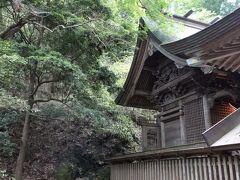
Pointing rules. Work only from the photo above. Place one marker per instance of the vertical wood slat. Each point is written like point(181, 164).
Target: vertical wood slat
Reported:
point(225, 168)
point(184, 169)
point(161, 169)
point(158, 170)
point(187, 169)
point(205, 168)
point(219, 167)
point(230, 165)
point(164, 171)
point(180, 169)
point(236, 165)
point(176, 170)
point(191, 168)
point(200, 173)
point(127, 174)
point(130, 171)
point(118, 173)
point(149, 170)
point(137, 170)
point(209, 168)
point(167, 169)
point(196, 169)
point(134, 172)
point(141, 174)
point(123, 174)
point(154, 170)
point(170, 170)
point(145, 168)
point(214, 165)
point(219, 162)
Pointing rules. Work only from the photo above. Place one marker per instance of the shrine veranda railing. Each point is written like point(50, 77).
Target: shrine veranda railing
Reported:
point(217, 167)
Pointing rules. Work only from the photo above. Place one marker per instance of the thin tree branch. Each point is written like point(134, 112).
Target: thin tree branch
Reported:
point(24, 37)
point(57, 27)
point(43, 82)
point(99, 39)
point(48, 100)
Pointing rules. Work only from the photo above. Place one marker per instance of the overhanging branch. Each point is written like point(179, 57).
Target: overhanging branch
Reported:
point(13, 29)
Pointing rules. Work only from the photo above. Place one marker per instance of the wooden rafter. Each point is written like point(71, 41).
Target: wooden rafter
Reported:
point(229, 59)
point(237, 65)
point(148, 68)
point(231, 64)
point(220, 55)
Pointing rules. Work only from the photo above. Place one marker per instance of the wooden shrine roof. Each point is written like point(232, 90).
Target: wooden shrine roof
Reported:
point(215, 46)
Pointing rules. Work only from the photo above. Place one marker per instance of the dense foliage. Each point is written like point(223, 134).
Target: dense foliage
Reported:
point(62, 63)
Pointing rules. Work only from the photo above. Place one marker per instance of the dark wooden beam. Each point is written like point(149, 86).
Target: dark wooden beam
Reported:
point(148, 68)
point(188, 13)
point(137, 69)
point(142, 93)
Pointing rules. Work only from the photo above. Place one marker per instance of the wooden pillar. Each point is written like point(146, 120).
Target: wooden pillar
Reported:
point(206, 112)
point(144, 138)
point(182, 124)
point(163, 134)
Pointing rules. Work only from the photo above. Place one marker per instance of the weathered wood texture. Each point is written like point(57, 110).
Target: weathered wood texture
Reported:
point(219, 167)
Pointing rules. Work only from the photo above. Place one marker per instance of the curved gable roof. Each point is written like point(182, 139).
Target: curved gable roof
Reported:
point(214, 46)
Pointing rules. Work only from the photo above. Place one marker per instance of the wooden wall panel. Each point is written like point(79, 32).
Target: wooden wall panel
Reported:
point(172, 133)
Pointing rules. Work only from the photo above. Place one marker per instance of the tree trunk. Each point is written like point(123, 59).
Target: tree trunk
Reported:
point(25, 132)
point(23, 149)
point(1, 18)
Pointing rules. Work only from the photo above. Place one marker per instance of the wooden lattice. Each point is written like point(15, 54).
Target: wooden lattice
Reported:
point(151, 137)
point(194, 121)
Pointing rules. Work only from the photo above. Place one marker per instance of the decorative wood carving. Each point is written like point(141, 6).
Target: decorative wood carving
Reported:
point(166, 77)
point(151, 49)
point(168, 73)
